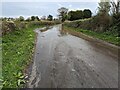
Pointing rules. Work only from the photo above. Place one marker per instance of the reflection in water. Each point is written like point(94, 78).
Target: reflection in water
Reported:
point(43, 30)
point(54, 56)
point(63, 32)
point(92, 41)
point(46, 28)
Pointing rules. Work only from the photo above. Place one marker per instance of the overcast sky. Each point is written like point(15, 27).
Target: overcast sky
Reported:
point(26, 9)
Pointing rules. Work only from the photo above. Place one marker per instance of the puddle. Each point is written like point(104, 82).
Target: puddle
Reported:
point(43, 30)
point(46, 28)
point(73, 70)
point(63, 50)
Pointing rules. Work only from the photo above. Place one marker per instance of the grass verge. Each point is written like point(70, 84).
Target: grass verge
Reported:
point(17, 49)
point(106, 36)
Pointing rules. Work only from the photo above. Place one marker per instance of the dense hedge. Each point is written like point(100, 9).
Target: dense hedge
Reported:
point(99, 23)
point(86, 24)
point(8, 26)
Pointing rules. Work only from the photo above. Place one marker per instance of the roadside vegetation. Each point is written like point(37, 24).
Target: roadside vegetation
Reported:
point(18, 42)
point(18, 47)
point(106, 36)
point(18, 37)
point(104, 25)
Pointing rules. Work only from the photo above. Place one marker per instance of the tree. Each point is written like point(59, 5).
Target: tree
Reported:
point(75, 15)
point(79, 14)
point(87, 13)
point(33, 18)
point(115, 6)
point(71, 15)
point(28, 19)
point(21, 18)
point(50, 18)
point(4, 19)
point(104, 7)
point(37, 18)
point(103, 19)
point(62, 13)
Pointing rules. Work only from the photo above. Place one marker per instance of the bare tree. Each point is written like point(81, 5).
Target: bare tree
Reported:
point(115, 6)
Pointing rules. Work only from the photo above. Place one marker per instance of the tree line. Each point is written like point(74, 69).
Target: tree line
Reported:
point(107, 18)
point(32, 18)
point(79, 14)
point(64, 14)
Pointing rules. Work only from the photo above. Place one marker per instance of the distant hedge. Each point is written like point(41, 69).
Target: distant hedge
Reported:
point(9, 26)
point(99, 23)
point(95, 23)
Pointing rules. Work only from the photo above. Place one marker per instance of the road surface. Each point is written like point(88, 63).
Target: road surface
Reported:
point(62, 60)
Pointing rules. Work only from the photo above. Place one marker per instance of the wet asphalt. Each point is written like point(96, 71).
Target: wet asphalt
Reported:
point(62, 60)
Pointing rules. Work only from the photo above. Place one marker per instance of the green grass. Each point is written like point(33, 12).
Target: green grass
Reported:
point(106, 36)
point(17, 49)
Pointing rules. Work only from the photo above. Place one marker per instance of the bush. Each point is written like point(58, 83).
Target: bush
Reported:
point(116, 18)
point(116, 23)
point(87, 13)
point(8, 27)
point(86, 24)
point(99, 23)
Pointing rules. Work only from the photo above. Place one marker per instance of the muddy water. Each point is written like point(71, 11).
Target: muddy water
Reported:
point(65, 61)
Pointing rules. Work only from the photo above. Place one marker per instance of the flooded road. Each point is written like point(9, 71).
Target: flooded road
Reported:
point(65, 61)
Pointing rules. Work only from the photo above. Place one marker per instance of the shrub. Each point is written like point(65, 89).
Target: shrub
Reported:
point(99, 23)
point(87, 13)
point(8, 27)
point(116, 18)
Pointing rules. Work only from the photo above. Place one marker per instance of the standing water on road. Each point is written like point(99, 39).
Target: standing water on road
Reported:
point(62, 60)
